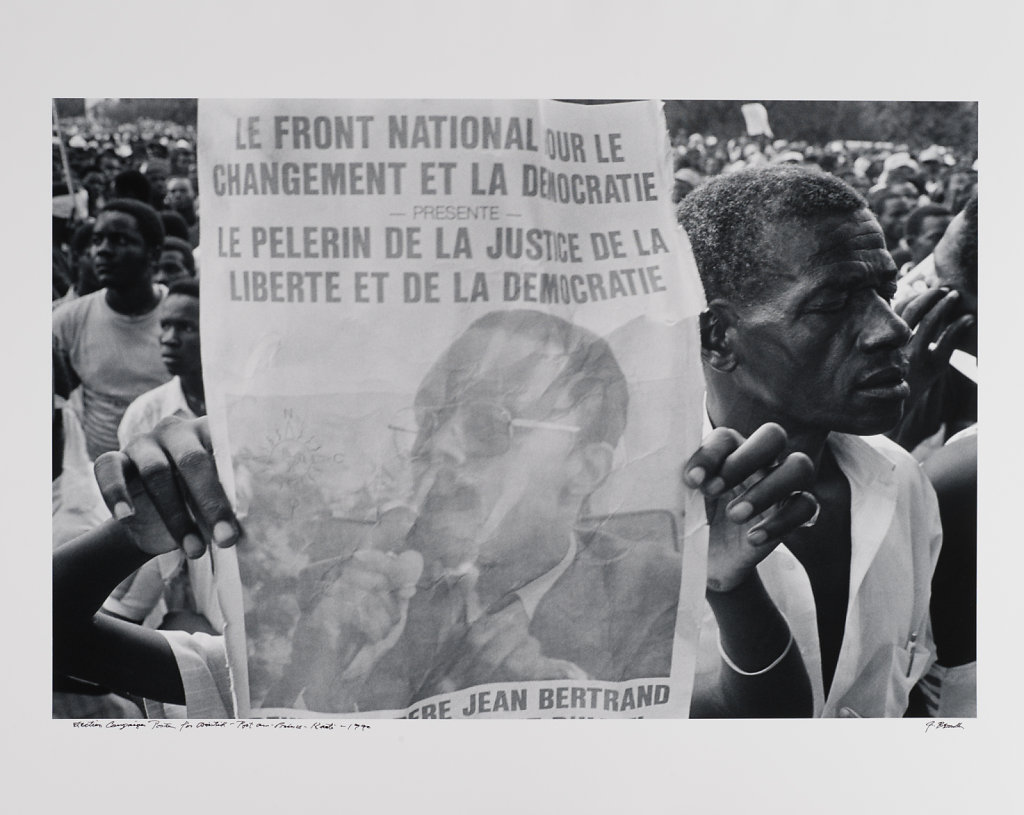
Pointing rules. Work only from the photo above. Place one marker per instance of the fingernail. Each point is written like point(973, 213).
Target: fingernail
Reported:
point(122, 510)
point(953, 294)
point(757, 536)
point(741, 511)
point(696, 476)
point(223, 532)
point(715, 486)
point(193, 546)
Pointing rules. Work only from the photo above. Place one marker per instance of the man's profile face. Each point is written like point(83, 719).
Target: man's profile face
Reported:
point(179, 334)
point(822, 349)
point(120, 255)
point(492, 493)
point(171, 268)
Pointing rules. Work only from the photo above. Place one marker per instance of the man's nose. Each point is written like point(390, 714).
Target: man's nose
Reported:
point(885, 328)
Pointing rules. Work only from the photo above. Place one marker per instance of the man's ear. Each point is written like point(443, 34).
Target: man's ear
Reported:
point(590, 464)
point(717, 332)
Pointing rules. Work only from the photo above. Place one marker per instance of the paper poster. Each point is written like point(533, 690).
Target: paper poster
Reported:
point(452, 374)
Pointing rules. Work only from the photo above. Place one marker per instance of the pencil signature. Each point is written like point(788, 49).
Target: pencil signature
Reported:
point(942, 726)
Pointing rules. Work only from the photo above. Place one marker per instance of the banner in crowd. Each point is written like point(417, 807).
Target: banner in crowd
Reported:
point(452, 372)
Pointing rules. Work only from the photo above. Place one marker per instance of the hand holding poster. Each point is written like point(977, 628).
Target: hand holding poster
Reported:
point(453, 374)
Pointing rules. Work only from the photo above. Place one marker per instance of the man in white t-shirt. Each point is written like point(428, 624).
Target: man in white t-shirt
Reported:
point(110, 338)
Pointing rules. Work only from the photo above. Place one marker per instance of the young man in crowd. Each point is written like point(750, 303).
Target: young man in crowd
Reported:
point(181, 198)
point(176, 262)
point(168, 590)
point(110, 338)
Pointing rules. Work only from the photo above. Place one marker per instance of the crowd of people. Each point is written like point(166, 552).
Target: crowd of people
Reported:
point(840, 356)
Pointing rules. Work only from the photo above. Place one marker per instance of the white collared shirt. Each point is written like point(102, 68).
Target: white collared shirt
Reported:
point(895, 537)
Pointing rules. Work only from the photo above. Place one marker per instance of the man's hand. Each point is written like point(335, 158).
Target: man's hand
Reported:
point(753, 499)
point(163, 487)
point(933, 317)
point(498, 647)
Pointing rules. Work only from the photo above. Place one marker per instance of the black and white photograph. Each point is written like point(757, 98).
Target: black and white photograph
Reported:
point(412, 522)
point(524, 401)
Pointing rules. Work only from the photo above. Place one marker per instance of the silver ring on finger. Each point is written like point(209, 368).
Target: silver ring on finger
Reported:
point(817, 508)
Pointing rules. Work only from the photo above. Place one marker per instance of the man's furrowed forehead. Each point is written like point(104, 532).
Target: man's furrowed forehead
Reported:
point(839, 248)
point(844, 237)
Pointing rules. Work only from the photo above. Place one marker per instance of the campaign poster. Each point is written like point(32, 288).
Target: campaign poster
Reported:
point(453, 372)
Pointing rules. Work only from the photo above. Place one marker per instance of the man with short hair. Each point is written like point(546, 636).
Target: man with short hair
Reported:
point(799, 331)
point(892, 206)
point(925, 225)
point(156, 171)
point(109, 164)
point(176, 262)
point(110, 338)
point(183, 394)
point(132, 184)
point(177, 594)
point(181, 198)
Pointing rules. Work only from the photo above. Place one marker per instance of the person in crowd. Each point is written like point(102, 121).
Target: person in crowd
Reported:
point(181, 198)
point(799, 331)
point(174, 224)
point(183, 394)
point(932, 166)
point(961, 186)
point(110, 338)
point(132, 184)
point(183, 160)
point(944, 396)
point(924, 226)
point(83, 278)
point(77, 507)
point(169, 590)
point(110, 166)
point(95, 183)
point(892, 206)
point(156, 171)
point(535, 451)
point(176, 262)
point(947, 406)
